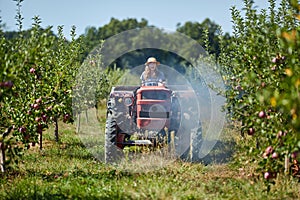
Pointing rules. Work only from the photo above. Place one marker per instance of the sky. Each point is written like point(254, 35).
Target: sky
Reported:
point(165, 14)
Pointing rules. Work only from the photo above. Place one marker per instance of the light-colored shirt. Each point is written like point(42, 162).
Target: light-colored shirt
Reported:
point(160, 78)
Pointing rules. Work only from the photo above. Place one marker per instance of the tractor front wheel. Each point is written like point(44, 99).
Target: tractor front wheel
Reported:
point(113, 140)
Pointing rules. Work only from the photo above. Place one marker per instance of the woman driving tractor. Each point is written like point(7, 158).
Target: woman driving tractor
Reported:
point(152, 76)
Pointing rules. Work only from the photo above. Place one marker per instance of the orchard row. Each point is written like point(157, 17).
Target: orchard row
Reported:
point(261, 70)
point(38, 80)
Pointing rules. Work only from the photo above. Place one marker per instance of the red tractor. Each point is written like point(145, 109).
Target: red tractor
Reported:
point(146, 115)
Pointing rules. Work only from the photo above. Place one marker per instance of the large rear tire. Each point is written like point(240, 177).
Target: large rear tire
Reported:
point(191, 143)
point(195, 144)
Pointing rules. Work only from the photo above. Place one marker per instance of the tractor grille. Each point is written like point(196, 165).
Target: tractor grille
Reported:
point(154, 114)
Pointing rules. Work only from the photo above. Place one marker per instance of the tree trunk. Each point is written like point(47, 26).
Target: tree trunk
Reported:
point(2, 149)
point(41, 141)
point(56, 129)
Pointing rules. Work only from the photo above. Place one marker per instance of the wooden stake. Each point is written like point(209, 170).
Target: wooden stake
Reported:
point(86, 116)
point(78, 123)
point(286, 164)
point(2, 158)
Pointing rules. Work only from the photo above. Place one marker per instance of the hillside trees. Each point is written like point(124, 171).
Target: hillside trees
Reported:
point(196, 30)
point(93, 36)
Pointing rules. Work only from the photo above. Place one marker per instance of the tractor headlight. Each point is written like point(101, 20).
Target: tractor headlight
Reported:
point(128, 101)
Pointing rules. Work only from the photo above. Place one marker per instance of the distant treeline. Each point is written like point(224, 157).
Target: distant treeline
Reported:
point(204, 32)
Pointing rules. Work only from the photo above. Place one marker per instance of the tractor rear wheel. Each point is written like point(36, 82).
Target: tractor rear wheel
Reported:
point(193, 145)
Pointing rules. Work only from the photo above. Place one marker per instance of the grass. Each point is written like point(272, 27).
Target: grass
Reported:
point(69, 170)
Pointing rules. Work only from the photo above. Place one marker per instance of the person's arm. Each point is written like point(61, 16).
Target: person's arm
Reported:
point(161, 78)
point(142, 79)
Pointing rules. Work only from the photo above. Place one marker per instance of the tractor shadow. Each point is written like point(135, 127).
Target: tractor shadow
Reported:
point(222, 152)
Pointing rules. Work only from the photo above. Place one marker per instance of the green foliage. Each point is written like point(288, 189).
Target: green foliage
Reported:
point(67, 170)
point(260, 66)
point(262, 75)
point(37, 76)
point(40, 78)
point(93, 36)
point(196, 30)
point(93, 82)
